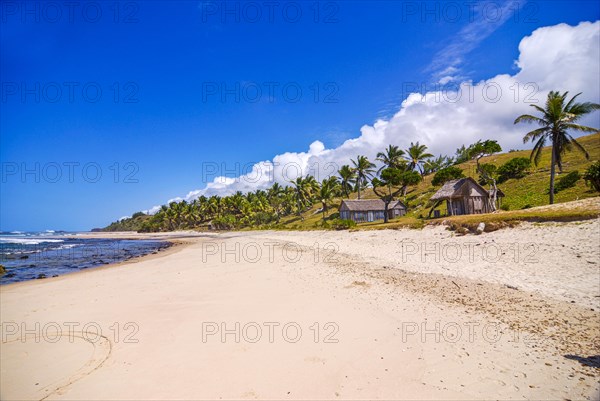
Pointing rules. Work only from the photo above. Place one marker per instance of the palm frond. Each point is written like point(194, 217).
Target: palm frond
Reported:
point(578, 127)
point(536, 152)
point(570, 103)
point(532, 135)
point(528, 118)
point(577, 145)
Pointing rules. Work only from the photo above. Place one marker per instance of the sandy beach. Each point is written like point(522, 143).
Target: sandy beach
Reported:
point(390, 314)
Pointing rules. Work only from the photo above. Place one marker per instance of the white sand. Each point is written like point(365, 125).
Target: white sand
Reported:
point(557, 260)
point(371, 309)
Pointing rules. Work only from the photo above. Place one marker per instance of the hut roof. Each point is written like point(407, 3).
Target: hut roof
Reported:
point(365, 205)
point(452, 189)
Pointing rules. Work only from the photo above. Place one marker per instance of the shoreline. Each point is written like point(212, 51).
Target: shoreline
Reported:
point(383, 316)
point(175, 244)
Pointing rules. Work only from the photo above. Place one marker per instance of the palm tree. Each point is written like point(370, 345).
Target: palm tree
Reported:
point(347, 179)
point(391, 158)
point(435, 165)
point(191, 213)
point(215, 205)
point(276, 199)
point(304, 188)
point(363, 169)
point(416, 155)
point(178, 209)
point(329, 189)
point(557, 118)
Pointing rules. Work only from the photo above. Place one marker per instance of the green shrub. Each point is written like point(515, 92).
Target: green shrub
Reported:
point(447, 174)
point(567, 181)
point(342, 224)
point(505, 207)
point(592, 176)
point(514, 168)
point(322, 224)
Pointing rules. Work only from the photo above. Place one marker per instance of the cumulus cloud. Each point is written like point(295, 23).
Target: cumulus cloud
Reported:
point(560, 57)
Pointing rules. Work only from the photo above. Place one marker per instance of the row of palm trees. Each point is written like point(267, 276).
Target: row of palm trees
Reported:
point(269, 206)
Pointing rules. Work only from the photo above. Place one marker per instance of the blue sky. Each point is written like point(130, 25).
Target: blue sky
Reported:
point(161, 68)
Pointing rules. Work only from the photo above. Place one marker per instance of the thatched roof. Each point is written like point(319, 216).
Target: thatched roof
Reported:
point(452, 189)
point(449, 189)
point(366, 205)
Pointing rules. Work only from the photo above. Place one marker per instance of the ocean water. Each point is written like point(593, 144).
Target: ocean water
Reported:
point(38, 255)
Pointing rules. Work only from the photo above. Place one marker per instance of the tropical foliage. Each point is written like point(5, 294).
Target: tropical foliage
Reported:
point(447, 174)
point(514, 168)
point(558, 117)
point(592, 176)
point(363, 171)
point(417, 155)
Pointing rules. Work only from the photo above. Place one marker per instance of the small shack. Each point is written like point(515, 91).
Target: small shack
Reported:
point(465, 196)
point(365, 210)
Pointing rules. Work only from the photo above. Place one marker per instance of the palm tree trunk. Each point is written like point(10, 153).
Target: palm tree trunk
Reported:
point(552, 173)
point(359, 190)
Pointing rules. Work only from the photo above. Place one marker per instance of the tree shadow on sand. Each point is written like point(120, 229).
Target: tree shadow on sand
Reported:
point(592, 361)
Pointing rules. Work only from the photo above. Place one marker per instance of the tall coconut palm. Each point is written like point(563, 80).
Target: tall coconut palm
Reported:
point(363, 169)
point(329, 189)
point(557, 118)
point(416, 155)
point(391, 158)
point(276, 199)
point(347, 179)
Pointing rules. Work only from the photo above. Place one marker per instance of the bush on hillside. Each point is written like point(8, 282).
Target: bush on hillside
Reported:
point(567, 181)
point(514, 168)
point(447, 174)
point(592, 176)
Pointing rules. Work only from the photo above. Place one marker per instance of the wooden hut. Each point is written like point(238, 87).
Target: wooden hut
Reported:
point(364, 210)
point(465, 196)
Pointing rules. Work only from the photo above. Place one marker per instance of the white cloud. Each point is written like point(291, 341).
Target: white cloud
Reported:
point(560, 57)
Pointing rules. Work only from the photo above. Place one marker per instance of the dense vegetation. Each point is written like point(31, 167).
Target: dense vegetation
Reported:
point(412, 175)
